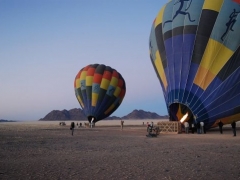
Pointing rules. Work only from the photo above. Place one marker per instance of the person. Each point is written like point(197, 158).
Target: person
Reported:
point(72, 127)
point(186, 125)
point(234, 128)
point(92, 121)
point(220, 125)
point(122, 124)
point(198, 128)
point(202, 127)
point(150, 129)
point(193, 128)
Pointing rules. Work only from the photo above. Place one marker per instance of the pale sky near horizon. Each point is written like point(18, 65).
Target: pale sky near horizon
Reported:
point(44, 43)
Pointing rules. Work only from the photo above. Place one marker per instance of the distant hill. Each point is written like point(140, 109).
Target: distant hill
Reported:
point(140, 114)
point(78, 114)
point(3, 120)
point(72, 114)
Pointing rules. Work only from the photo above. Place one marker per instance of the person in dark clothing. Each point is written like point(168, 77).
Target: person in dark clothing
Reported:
point(220, 125)
point(193, 128)
point(122, 122)
point(204, 129)
point(149, 130)
point(198, 128)
point(234, 128)
point(72, 127)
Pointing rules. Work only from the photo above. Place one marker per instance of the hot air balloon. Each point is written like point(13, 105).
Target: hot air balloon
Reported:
point(99, 90)
point(195, 50)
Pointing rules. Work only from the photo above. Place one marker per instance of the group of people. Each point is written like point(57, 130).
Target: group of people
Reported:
point(202, 130)
point(72, 126)
point(152, 131)
point(199, 126)
point(150, 128)
point(233, 124)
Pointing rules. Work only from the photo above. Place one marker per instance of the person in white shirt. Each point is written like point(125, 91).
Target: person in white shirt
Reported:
point(193, 128)
point(186, 125)
point(202, 127)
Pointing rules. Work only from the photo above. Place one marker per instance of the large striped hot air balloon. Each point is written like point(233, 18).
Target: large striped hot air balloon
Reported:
point(195, 50)
point(99, 90)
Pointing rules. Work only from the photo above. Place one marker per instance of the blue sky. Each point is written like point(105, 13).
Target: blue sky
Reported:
point(44, 43)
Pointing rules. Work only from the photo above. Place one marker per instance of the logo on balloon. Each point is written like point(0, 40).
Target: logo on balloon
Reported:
point(181, 11)
point(231, 22)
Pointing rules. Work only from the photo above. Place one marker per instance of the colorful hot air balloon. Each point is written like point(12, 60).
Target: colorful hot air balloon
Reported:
point(195, 50)
point(99, 90)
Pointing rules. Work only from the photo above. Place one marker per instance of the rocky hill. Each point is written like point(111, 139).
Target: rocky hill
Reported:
point(72, 114)
point(78, 114)
point(140, 114)
point(3, 120)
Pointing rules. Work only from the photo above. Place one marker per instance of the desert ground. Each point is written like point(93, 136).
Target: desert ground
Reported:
point(45, 150)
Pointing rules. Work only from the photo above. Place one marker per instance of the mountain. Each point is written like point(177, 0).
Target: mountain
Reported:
point(72, 114)
point(140, 114)
point(78, 114)
point(3, 120)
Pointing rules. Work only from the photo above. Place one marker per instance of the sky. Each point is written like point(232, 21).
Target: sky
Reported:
point(44, 44)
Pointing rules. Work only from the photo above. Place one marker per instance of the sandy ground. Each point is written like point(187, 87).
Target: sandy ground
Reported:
point(49, 151)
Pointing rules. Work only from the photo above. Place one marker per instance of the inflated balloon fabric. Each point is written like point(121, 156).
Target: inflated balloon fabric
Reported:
point(99, 90)
point(194, 48)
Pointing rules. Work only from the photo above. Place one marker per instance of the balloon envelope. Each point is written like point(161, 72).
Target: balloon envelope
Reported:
point(99, 90)
point(194, 49)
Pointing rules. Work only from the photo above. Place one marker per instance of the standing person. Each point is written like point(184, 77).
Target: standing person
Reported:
point(234, 128)
point(91, 124)
point(198, 128)
point(186, 125)
point(72, 127)
point(122, 124)
point(193, 128)
point(152, 125)
point(202, 127)
point(220, 125)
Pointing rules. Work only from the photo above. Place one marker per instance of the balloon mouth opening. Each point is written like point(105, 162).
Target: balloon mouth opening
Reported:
point(180, 112)
point(91, 119)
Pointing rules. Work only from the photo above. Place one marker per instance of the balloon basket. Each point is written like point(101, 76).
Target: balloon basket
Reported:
point(170, 127)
